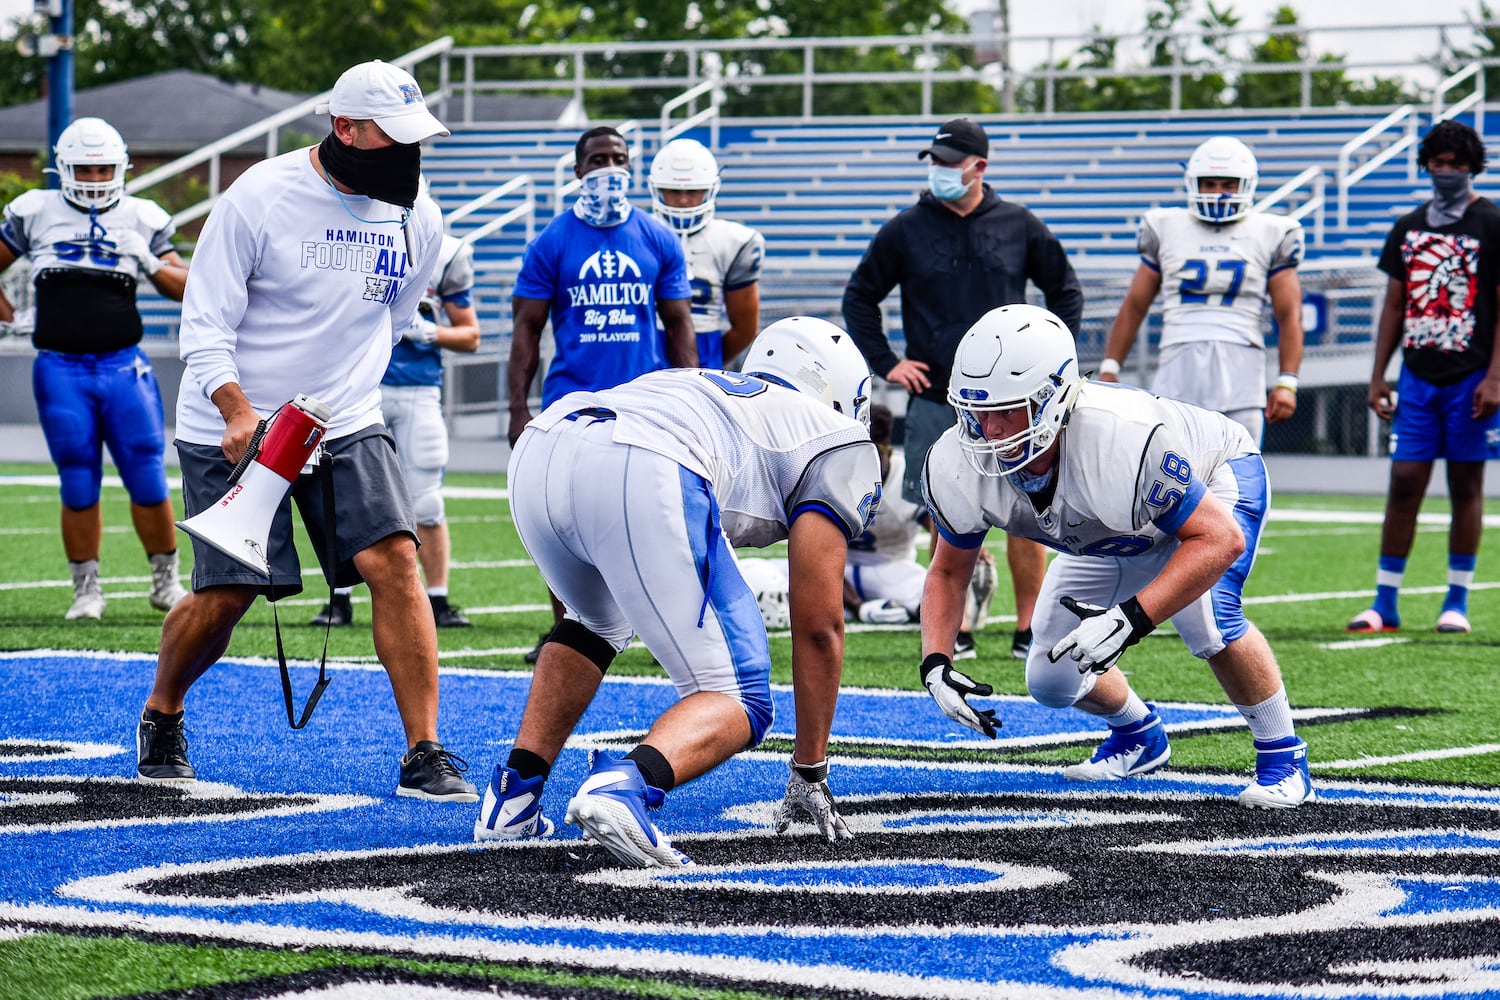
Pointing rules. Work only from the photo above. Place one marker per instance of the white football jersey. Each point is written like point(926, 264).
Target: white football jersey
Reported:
point(769, 451)
point(55, 233)
point(721, 256)
point(1127, 460)
point(1213, 278)
point(892, 534)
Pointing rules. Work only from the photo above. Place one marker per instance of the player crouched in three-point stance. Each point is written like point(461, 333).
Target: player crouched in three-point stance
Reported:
point(90, 244)
point(1156, 508)
point(630, 500)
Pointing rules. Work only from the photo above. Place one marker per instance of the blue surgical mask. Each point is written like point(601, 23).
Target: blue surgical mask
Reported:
point(602, 197)
point(947, 183)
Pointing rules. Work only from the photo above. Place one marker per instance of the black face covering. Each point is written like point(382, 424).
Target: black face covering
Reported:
point(390, 174)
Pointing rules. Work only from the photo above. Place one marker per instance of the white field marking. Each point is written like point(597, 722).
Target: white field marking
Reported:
point(1383, 843)
point(979, 818)
point(16, 933)
point(1407, 758)
point(1388, 640)
point(493, 564)
point(1346, 595)
point(367, 990)
point(1361, 900)
point(71, 750)
point(1360, 517)
point(114, 482)
point(1421, 970)
point(648, 960)
point(1002, 877)
point(8, 799)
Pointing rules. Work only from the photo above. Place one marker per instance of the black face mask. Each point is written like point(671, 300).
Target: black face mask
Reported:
point(390, 174)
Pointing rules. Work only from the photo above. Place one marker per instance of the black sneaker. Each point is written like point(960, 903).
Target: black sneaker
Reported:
point(446, 615)
point(1020, 643)
point(338, 612)
point(963, 646)
point(430, 772)
point(536, 651)
point(161, 748)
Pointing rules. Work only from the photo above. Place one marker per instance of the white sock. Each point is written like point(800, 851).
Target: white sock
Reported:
point(1134, 711)
point(1271, 719)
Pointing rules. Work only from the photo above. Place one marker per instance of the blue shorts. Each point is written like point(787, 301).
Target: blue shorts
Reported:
point(86, 401)
point(1434, 421)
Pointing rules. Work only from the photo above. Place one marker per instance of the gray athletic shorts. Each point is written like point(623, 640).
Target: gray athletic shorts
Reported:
point(926, 421)
point(369, 498)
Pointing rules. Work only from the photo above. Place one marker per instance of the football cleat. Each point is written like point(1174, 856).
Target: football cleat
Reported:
point(430, 772)
point(1020, 644)
point(337, 612)
point(1369, 620)
point(610, 807)
point(963, 647)
point(1281, 777)
point(981, 591)
point(535, 653)
point(512, 808)
point(1453, 622)
point(445, 615)
point(1130, 750)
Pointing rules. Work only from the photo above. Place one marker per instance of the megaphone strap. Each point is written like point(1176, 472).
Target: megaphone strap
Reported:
point(324, 472)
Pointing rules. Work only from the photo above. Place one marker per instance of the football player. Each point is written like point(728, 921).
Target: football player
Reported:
point(629, 500)
point(90, 244)
point(723, 257)
point(1155, 508)
point(1217, 262)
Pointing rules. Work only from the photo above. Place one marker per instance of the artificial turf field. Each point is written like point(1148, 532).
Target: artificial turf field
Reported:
point(976, 870)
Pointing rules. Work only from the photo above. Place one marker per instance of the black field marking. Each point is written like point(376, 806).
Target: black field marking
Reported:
point(1104, 884)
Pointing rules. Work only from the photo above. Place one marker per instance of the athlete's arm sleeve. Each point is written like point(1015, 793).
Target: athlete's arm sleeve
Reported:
point(1148, 243)
point(1288, 252)
point(162, 229)
point(13, 231)
point(843, 484)
point(216, 296)
point(744, 270)
point(1169, 489)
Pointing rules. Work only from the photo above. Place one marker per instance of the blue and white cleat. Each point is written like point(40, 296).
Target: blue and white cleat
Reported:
point(1130, 750)
point(1282, 780)
point(610, 808)
point(512, 808)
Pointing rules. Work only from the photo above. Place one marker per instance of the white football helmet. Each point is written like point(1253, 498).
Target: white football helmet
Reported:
point(1222, 156)
point(767, 579)
point(684, 165)
point(1015, 357)
point(91, 142)
point(815, 357)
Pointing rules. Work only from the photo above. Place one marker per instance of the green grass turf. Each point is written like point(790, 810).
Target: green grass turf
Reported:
point(1446, 680)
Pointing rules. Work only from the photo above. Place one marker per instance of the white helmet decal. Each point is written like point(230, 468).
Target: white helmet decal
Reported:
point(1222, 156)
point(1015, 357)
point(91, 142)
point(815, 357)
point(684, 165)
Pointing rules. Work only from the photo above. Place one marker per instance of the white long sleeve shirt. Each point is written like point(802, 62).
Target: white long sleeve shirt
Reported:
point(289, 293)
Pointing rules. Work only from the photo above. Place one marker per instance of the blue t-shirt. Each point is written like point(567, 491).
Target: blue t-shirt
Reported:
point(603, 285)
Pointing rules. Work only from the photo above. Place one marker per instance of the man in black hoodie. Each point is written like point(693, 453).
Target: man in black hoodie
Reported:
point(959, 252)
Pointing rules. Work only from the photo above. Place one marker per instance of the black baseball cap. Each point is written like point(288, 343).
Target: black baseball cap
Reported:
point(957, 139)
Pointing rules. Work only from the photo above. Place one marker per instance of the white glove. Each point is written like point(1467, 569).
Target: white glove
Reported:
point(422, 331)
point(1103, 634)
point(129, 243)
point(808, 797)
point(949, 688)
point(885, 612)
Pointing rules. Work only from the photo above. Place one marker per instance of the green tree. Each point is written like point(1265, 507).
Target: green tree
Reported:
point(1327, 87)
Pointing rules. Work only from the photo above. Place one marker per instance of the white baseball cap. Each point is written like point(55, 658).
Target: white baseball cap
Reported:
point(387, 95)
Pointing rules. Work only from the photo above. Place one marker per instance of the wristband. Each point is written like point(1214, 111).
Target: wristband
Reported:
point(934, 661)
point(1109, 366)
point(1287, 381)
point(811, 773)
point(1140, 622)
point(151, 264)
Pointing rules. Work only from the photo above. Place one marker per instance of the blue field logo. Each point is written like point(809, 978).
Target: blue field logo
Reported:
point(969, 875)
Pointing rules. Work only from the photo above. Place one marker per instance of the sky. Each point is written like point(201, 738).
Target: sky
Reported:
point(1119, 16)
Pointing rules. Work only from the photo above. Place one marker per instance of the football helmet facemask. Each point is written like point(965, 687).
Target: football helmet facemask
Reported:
point(1018, 357)
point(1222, 156)
point(814, 357)
point(684, 165)
point(90, 142)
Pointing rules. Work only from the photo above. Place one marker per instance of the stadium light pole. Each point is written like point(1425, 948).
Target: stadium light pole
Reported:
point(59, 74)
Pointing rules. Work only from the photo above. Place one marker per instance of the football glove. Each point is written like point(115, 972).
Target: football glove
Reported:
point(883, 613)
point(950, 687)
point(129, 243)
point(1102, 634)
point(422, 331)
point(808, 797)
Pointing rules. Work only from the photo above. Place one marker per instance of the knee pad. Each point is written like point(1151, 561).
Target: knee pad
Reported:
point(577, 637)
point(428, 507)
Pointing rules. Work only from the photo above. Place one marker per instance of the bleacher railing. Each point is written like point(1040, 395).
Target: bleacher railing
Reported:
point(269, 128)
point(688, 99)
point(525, 211)
point(1314, 205)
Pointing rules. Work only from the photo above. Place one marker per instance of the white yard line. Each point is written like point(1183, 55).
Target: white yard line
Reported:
point(1406, 758)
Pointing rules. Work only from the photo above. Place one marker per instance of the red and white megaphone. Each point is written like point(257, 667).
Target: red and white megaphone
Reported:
point(239, 525)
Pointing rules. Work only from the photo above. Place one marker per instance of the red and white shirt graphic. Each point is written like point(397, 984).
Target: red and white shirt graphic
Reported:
point(1442, 281)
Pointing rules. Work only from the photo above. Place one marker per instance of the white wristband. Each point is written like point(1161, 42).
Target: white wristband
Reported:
point(151, 264)
point(1287, 381)
point(1109, 366)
